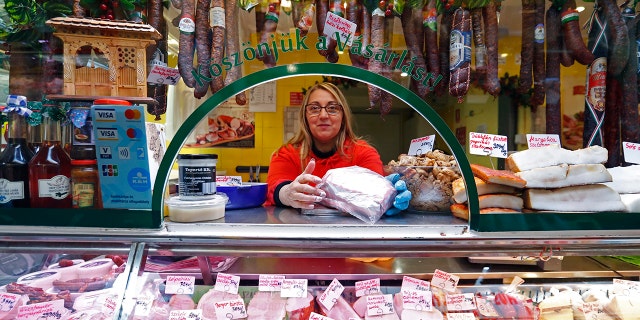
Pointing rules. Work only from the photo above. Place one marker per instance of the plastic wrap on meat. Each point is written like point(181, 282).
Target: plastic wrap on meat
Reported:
point(358, 191)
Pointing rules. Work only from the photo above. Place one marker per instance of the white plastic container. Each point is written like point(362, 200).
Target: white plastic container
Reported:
point(196, 210)
point(41, 279)
point(197, 176)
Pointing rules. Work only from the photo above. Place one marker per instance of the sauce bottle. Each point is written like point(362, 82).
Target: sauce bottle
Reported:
point(14, 160)
point(50, 170)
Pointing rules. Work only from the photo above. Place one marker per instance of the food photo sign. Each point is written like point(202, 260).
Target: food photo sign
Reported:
point(229, 125)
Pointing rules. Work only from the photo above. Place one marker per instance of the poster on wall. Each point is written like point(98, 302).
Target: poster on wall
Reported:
point(229, 125)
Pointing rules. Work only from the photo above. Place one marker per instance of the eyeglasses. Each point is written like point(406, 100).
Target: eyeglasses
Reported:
point(332, 108)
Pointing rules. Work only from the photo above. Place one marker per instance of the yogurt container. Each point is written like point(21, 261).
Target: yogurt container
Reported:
point(197, 176)
point(196, 210)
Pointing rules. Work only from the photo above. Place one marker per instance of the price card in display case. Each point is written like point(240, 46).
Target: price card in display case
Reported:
point(8, 301)
point(461, 302)
point(195, 314)
point(380, 304)
point(367, 287)
point(230, 309)
point(294, 288)
point(180, 285)
point(486, 308)
point(227, 283)
point(270, 282)
point(143, 307)
point(315, 316)
point(631, 152)
point(485, 144)
point(537, 140)
point(419, 146)
point(419, 300)
point(461, 316)
point(43, 310)
point(444, 280)
point(410, 283)
point(331, 295)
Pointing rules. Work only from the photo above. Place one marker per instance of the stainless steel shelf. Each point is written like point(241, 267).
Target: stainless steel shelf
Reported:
point(270, 231)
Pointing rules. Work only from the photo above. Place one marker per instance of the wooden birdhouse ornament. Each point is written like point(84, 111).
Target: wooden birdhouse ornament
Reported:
point(104, 57)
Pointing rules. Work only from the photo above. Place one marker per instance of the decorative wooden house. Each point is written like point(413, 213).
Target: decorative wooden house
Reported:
point(104, 57)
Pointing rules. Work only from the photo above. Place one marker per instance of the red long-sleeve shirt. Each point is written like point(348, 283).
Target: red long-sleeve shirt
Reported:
point(285, 164)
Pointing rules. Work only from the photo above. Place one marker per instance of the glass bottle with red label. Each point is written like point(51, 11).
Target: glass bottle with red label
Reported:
point(50, 169)
point(14, 160)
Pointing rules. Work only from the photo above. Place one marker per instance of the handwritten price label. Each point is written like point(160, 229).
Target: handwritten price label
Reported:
point(485, 144)
point(231, 309)
point(419, 300)
point(514, 284)
point(109, 305)
point(294, 288)
point(195, 314)
point(180, 285)
point(461, 316)
point(626, 287)
point(270, 282)
point(8, 301)
point(444, 280)
point(461, 302)
point(593, 311)
point(227, 283)
point(537, 140)
point(50, 310)
point(419, 146)
point(486, 308)
point(410, 283)
point(330, 296)
point(143, 307)
point(367, 287)
point(631, 152)
point(345, 28)
point(380, 304)
point(315, 316)
point(163, 75)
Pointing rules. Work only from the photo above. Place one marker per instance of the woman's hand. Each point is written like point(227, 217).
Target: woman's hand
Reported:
point(300, 193)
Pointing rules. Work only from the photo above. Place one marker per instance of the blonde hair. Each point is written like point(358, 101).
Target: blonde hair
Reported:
point(303, 137)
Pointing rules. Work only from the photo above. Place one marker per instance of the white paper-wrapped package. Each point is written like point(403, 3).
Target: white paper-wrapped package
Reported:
point(358, 191)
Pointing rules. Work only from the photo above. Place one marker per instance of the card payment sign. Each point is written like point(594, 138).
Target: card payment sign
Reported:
point(122, 157)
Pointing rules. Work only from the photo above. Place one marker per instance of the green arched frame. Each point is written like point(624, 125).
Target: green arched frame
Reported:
point(306, 69)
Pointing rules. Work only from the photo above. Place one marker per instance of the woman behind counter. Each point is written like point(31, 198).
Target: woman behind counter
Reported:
point(325, 140)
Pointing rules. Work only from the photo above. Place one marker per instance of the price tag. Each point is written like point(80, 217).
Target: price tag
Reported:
point(593, 311)
point(631, 152)
point(315, 316)
point(163, 75)
point(345, 28)
point(485, 144)
point(409, 283)
point(180, 285)
point(444, 280)
point(419, 300)
point(49, 310)
point(380, 304)
point(422, 145)
point(461, 316)
point(461, 302)
point(514, 284)
point(8, 301)
point(330, 296)
point(195, 314)
point(486, 308)
point(537, 140)
point(228, 180)
point(270, 282)
point(227, 283)
point(109, 305)
point(230, 309)
point(626, 287)
point(143, 307)
point(367, 287)
point(294, 288)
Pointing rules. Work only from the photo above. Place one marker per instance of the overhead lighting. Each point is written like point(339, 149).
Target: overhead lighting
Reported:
point(285, 3)
point(580, 9)
point(403, 74)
